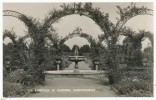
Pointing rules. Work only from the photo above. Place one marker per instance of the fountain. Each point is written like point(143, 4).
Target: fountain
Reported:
point(78, 72)
point(76, 58)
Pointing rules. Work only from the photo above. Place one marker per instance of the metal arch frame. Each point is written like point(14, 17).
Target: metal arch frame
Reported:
point(16, 15)
point(120, 23)
point(50, 21)
point(77, 32)
point(12, 13)
point(74, 34)
point(26, 20)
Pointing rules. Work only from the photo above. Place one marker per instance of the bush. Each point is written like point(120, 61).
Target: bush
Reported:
point(64, 64)
point(37, 76)
point(20, 76)
point(115, 76)
point(13, 89)
point(140, 93)
point(16, 76)
point(125, 86)
point(143, 85)
point(119, 74)
point(134, 82)
point(129, 87)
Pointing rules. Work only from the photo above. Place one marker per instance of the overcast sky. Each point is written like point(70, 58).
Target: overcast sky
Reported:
point(68, 23)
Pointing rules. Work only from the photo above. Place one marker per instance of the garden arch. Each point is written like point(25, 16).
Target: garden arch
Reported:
point(38, 30)
point(26, 20)
point(85, 9)
point(109, 29)
point(81, 9)
point(78, 32)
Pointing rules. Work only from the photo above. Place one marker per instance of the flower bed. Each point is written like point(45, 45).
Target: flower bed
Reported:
point(135, 84)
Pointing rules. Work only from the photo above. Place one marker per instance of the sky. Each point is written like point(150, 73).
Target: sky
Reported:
point(67, 24)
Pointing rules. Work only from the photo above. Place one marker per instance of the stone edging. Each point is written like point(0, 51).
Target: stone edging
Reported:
point(117, 92)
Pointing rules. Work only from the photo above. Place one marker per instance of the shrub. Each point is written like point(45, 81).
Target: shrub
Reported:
point(115, 76)
point(13, 89)
point(64, 64)
point(140, 93)
point(20, 76)
point(145, 75)
point(125, 86)
point(142, 85)
point(37, 76)
point(16, 76)
point(129, 87)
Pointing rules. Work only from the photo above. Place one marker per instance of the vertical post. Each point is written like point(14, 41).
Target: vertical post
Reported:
point(58, 67)
point(96, 66)
point(96, 63)
point(58, 64)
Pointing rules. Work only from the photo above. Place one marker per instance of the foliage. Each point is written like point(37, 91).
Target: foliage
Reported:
point(78, 32)
point(81, 9)
point(7, 49)
point(132, 47)
point(133, 81)
point(65, 48)
point(147, 57)
point(125, 14)
point(16, 49)
point(13, 89)
point(36, 72)
point(85, 49)
point(40, 31)
point(128, 86)
point(64, 63)
point(130, 12)
point(37, 33)
point(74, 47)
point(140, 93)
point(16, 76)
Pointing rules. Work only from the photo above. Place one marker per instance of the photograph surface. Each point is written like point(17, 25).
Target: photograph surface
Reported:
point(78, 49)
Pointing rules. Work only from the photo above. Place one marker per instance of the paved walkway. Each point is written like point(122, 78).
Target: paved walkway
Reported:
point(65, 86)
point(73, 87)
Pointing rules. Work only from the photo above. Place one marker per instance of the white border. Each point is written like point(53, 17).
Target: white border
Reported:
point(78, 0)
point(84, 98)
point(1, 53)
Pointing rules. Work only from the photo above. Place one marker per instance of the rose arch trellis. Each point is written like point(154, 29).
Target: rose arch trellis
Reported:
point(78, 32)
point(59, 42)
point(111, 31)
point(37, 31)
point(86, 9)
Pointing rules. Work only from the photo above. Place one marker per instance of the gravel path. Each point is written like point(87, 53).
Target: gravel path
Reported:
point(73, 87)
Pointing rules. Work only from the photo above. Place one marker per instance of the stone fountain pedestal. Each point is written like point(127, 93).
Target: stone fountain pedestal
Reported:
point(76, 59)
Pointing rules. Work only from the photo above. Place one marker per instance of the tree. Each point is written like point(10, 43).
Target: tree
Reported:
point(85, 49)
point(114, 31)
point(75, 46)
point(18, 48)
point(132, 47)
point(147, 56)
point(7, 49)
point(65, 48)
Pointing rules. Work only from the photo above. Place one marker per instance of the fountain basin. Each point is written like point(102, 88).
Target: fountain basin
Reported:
point(76, 58)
